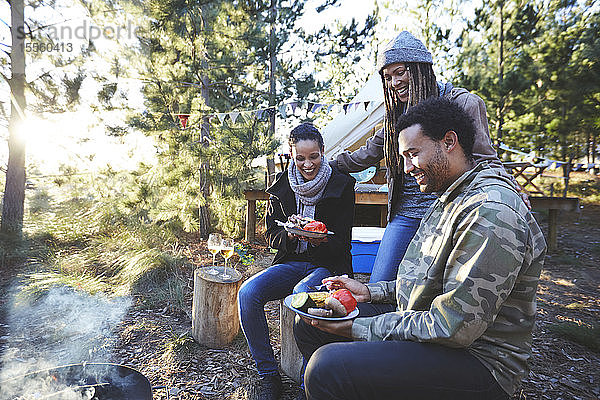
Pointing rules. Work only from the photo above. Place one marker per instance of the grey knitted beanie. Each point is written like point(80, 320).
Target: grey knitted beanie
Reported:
point(404, 48)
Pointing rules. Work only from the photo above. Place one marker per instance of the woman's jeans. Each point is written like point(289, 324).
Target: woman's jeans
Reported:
point(396, 238)
point(276, 282)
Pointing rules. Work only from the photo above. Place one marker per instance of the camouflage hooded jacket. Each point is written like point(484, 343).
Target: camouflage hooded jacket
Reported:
point(468, 278)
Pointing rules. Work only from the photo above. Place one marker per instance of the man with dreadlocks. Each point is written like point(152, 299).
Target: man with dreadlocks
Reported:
point(405, 66)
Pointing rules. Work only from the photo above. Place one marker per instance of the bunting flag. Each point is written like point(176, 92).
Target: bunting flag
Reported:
point(233, 116)
point(282, 110)
point(183, 118)
point(316, 107)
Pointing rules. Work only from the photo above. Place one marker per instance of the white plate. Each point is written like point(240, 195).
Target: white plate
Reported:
point(288, 303)
point(301, 232)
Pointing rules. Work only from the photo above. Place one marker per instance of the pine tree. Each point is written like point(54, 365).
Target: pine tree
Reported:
point(205, 59)
point(14, 192)
point(58, 63)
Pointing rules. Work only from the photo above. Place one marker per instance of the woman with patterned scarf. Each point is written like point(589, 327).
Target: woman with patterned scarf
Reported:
point(310, 188)
point(407, 76)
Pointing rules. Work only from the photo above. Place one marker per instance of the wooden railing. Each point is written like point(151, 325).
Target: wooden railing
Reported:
point(379, 199)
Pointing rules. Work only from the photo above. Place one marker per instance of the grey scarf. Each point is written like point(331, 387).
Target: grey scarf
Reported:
point(308, 193)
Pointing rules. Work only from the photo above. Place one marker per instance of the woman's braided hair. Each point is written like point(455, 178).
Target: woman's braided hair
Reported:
point(422, 85)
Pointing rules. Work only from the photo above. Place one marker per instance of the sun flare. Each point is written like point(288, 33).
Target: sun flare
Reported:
point(79, 140)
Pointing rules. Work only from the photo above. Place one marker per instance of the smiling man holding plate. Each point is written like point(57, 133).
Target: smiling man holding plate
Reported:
point(464, 292)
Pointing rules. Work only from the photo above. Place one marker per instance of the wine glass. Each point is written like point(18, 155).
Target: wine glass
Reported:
point(214, 243)
point(227, 248)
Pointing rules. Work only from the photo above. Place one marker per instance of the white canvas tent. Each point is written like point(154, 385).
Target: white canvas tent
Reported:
point(348, 128)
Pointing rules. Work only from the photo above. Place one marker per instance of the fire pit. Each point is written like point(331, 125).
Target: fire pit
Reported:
point(97, 381)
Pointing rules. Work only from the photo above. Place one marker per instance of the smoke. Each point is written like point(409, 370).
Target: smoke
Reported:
point(63, 327)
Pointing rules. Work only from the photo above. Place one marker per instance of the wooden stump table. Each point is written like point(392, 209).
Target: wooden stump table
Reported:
point(215, 321)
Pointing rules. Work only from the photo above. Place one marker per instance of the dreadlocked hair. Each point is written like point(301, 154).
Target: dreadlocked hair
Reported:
point(421, 85)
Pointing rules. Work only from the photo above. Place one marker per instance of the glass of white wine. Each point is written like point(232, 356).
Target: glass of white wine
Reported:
point(227, 249)
point(215, 242)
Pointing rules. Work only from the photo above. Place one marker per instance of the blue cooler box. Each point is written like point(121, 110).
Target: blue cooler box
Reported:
point(365, 242)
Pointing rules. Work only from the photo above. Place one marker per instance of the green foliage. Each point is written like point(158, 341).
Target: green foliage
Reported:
point(245, 257)
point(542, 91)
point(586, 335)
point(178, 344)
point(97, 242)
point(214, 57)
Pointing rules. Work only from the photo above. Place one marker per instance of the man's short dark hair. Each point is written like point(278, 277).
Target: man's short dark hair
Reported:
point(438, 115)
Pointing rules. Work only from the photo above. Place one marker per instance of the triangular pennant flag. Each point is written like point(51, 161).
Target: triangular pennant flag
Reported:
point(356, 105)
point(221, 117)
point(316, 107)
point(183, 118)
point(367, 104)
point(259, 113)
point(294, 104)
point(282, 110)
point(309, 106)
point(329, 107)
point(345, 106)
point(233, 115)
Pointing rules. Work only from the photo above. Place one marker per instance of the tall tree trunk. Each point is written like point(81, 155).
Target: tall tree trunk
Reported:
point(203, 216)
point(14, 191)
point(272, 97)
point(500, 111)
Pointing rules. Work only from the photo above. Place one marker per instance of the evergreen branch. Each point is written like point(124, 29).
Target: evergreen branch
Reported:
point(224, 83)
point(593, 99)
point(225, 96)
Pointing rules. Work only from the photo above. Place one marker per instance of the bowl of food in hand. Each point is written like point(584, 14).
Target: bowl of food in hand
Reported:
point(332, 306)
point(304, 226)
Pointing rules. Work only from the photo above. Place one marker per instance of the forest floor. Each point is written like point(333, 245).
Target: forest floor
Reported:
point(158, 343)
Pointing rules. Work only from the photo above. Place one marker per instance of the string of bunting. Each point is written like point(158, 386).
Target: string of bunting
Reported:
point(283, 110)
point(545, 162)
point(246, 115)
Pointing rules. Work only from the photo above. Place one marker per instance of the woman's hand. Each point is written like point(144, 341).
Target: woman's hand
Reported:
point(360, 291)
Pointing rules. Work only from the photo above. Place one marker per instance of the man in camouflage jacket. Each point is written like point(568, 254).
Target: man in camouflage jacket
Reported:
point(465, 290)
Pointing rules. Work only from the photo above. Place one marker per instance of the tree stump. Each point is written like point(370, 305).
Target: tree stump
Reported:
point(291, 358)
point(215, 321)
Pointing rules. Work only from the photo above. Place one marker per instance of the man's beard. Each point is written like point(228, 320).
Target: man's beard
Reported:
point(437, 171)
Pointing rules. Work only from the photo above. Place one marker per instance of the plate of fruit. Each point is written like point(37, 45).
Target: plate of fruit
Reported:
point(306, 227)
point(338, 305)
